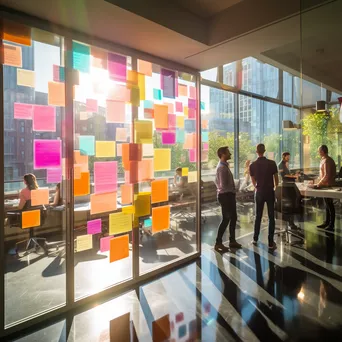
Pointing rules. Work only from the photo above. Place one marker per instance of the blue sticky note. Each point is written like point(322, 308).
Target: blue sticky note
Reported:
point(180, 136)
point(157, 94)
point(148, 104)
point(202, 105)
point(205, 136)
point(190, 125)
point(87, 145)
point(61, 74)
point(182, 331)
point(81, 57)
point(148, 223)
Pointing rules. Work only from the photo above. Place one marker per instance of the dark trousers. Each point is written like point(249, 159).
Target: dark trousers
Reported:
point(260, 200)
point(229, 216)
point(330, 212)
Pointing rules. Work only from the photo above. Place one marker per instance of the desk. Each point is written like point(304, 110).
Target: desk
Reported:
point(321, 193)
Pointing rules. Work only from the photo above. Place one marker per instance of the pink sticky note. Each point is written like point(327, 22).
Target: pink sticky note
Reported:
point(172, 121)
point(192, 156)
point(23, 111)
point(44, 118)
point(179, 107)
point(121, 134)
point(116, 112)
point(117, 67)
point(205, 146)
point(192, 92)
point(94, 226)
point(119, 93)
point(171, 107)
point(192, 103)
point(105, 176)
point(191, 113)
point(54, 175)
point(91, 105)
point(47, 154)
point(105, 243)
point(56, 73)
point(119, 150)
point(168, 138)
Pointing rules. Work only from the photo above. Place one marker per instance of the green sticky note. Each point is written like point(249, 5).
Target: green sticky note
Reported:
point(87, 145)
point(157, 94)
point(81, 57)
point(180, 136)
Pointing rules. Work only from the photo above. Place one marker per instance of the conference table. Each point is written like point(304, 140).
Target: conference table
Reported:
point(333, 192)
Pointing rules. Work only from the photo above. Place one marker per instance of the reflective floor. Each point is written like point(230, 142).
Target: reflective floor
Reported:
point(292, 294)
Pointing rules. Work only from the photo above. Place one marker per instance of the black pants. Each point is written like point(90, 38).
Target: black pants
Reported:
point(260, 200)
point(229, 216)
point(330, 212)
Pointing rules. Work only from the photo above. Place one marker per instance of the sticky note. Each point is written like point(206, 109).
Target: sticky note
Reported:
point(87, 145)
point(12, 55)
point(133, 172)
point(143, 132)
point(161, 119)
point(145, 170)
point(98, 57)
point(105, 149)
point(205, 124)
point(126, 194)
point(142, 86)
point(180, 121)
point(186, 110)
point(192, 176)
point(121, 134)
point(116, 112)
point(102, 203)
point(44, 118)
point(119, 93)
point(40, 196)
point(44, 36)
point(160, 218)
point(131, 152)
point(167, 81)
point(26, 78)
point(205, 136)
point(120, 223)
point(204, 156)
point(82, 185)
point(205, 146)
point(202, 105)
point(182, 330)
point(145, 67)
point(47, 154)
point(16, 33)
point(182, 90)
point(81, 57)
point(58, 73)
point(84, 242)
point(54, 175)
point(192, 103)
point(159, 191)
point(30, 219)
point(94, 226)
point(130, 209)
point(157, 94)
point(162, 159)
point(132, 77)
point(185, 171)
point(142, 204)
point(23, 111)
point(190, 125)
point(105, 244)
point(180, 135)
point(172, 121)
point(192, 113)
point(148, 150)
point(105, 176)
point(56, 94)
point(192, 92)
point(117, 67)
point(81, 160)
point(179, 107)
point(119, 248)
point(91, 105)
point(148, 113)
point(119, 150)
point(135, 96)
point(190, 141)
point(192, 155)
point(170, 106)
point(77, 171)
point(168, 138)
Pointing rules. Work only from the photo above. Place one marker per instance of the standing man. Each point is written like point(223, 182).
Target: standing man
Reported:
point(226, 197)
point(264, 174)
point(327, 175)
point(284, 169)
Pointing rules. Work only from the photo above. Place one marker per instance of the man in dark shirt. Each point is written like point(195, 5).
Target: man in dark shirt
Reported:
point(284, 170)
point(264, 174)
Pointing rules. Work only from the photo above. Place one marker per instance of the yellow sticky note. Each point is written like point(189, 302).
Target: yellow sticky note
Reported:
point(192, 177)
point(141, 85)
point(26, 78)
point(148, 150)
point(180, 121)
point(162, 159)
point(142, 204)
point(105, 149)
point(185, 171)
point(160, 218)
point(186, 110)
point(44, 37)
point(120, 223)
point(161, 116)
point(143, 132)
point(135, 96)
point(84, 242)
point(56, 94)
point(130, 209)
point(39, 197)
point(30, 219)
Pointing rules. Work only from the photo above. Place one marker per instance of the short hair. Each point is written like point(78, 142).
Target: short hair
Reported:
point(221, 150)
point(285, 154)
point(261, 148)
point(324, 149)
point(179, 169)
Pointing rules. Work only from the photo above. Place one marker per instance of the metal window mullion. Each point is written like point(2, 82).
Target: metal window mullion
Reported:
point(236, 136)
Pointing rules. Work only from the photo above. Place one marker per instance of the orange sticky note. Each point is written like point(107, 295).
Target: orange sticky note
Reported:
point(145, 67)
point(145, 170)
point(119, 248)
point(30, 219)
point(205, 124)
point(132, 77)
point(39, 197)
point(119, 93)
point(182, 90)
point(12, 55)
point(159, 191)
point(78, 171)
point(56, 94)
point(81, 160)
point(171, 107)
point(121, 134)
point(133, 173)
point(131, 152)
point(102, 203)
point(116, 112)
point(161, 116)
point(160, 218)
point(82, 185)
point(98, 57)
point(142, 204)
point(190, 141)
point(126, 194)
point(16, 33)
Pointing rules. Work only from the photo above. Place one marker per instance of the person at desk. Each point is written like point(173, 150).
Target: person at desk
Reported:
point(25, 194)
point(327, 175)
point(284, 170)
point(57, 201)
point(180, 181)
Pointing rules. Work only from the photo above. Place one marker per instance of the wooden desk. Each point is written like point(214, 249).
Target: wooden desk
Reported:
point(322, 193)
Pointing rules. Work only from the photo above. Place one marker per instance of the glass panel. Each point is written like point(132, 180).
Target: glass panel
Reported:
point(271, 121)
point(230, 74)
point(210, 75)
point(33, 173)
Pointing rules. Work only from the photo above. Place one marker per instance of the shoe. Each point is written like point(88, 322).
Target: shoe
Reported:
point(234, 244)
point(330, 228)
point(221, 248)
point(323, 225)
point(254, 242)
point(272, 246)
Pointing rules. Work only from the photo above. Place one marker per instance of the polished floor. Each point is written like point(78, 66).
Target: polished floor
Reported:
point(291, 294)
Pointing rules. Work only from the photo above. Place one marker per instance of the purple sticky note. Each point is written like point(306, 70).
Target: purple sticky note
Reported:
point(117, 67)
point(205, 146)
point(105, 176)
point(44, 118)
point(105, 243)
point(191, 113)
point(168, 84)
point(172, 121)
point(192, 156)
point(54, 175)
point(23, 111)
point(168, 138)
point(47, 154)
point(179, 107)
point(91, 105)
point(94, 226)
point(192, 103)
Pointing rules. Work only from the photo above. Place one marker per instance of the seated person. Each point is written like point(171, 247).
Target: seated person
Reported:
point(247, 183)
point(57, 201)
point(180, 182)
point(284, 170)
point(25, 194)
